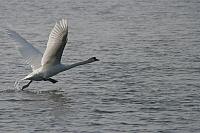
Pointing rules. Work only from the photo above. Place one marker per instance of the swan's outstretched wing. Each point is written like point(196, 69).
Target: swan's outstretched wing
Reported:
point(56, 43)
point(31, 54)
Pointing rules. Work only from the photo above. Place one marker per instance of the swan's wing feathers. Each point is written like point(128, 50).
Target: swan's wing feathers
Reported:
point(31, 54)
point(56, 43)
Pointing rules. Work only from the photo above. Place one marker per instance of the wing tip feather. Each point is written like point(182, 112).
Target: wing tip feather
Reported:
point(60, 27)
point(63, 24)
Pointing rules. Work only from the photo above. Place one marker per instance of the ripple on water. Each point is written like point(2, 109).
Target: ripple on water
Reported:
point(100, 111)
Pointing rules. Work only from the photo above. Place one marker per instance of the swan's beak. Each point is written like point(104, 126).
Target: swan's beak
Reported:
point(97, 60)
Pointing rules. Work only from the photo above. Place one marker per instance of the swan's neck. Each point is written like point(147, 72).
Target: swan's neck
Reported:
point(77, 64)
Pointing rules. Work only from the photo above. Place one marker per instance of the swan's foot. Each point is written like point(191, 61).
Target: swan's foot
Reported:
point(52, 80)
point(25, 86)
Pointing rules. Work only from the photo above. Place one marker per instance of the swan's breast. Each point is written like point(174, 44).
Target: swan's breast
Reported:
point(36, 75)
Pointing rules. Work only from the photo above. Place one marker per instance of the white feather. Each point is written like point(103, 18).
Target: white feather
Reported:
point(56, 44)
point(31, 54)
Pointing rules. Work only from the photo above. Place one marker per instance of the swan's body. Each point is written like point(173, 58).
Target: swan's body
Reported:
point(46, 65)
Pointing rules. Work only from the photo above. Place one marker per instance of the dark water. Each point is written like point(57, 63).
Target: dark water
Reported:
point(148, 79)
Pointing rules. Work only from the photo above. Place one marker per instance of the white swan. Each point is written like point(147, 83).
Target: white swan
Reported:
point(47, 65)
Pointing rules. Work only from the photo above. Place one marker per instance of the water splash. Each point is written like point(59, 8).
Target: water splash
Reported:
point(17, 84)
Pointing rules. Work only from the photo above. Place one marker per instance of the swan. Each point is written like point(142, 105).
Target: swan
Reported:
point(46, 65)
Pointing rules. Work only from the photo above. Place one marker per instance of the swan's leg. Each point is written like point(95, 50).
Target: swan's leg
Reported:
point(25, 86)
point(52, 80)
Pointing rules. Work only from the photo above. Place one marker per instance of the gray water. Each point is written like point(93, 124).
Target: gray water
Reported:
point(147, 79)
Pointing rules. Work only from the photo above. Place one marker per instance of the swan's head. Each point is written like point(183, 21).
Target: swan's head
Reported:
point(93, 59)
